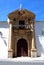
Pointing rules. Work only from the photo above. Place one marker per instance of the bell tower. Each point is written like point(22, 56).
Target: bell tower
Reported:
point(21, 34)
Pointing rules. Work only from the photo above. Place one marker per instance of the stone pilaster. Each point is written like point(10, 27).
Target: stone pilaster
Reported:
point(10, 51)
point(33, 49)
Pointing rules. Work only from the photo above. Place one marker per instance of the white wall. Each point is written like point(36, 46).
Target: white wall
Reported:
point(4, 40)
point(39, 26)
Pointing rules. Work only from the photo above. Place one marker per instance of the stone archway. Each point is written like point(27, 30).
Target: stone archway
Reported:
point(22, 48)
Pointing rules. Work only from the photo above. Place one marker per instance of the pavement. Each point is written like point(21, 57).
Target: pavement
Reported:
point(22, 61)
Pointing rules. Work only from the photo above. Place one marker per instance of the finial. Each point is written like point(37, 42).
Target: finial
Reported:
point(20, 6)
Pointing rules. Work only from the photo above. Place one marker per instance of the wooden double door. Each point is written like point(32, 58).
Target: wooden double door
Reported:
point(22, 48)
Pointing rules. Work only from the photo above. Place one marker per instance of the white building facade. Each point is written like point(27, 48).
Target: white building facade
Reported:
point(39, 35)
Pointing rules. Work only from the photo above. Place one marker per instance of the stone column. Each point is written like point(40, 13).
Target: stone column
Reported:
point(33, 49)
point(28, 49)
point(10, 51)
point(15, 47)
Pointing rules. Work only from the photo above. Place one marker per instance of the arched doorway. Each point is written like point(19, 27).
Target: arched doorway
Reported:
point(22, 48)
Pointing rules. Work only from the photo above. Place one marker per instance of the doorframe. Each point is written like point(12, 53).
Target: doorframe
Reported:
point(16, 44)
point(24, 47)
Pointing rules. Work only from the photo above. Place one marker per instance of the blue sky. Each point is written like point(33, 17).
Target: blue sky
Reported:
point(35, 6)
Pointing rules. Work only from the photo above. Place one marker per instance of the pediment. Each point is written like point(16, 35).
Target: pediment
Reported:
point(21, 13)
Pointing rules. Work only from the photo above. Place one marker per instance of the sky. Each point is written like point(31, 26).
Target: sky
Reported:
point(35, 6)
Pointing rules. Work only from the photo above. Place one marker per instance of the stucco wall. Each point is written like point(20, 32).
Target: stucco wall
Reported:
point(39, 26)
point(3, 40)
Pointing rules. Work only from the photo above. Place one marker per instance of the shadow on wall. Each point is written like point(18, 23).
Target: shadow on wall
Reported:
point(40, 49)
point(3, 38)
point(4, 41)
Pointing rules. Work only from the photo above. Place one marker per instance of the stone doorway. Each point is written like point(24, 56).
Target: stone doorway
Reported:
point(21, 25)
point(22, 48)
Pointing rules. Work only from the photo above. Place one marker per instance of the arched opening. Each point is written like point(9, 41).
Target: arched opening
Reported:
point(22, 48)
